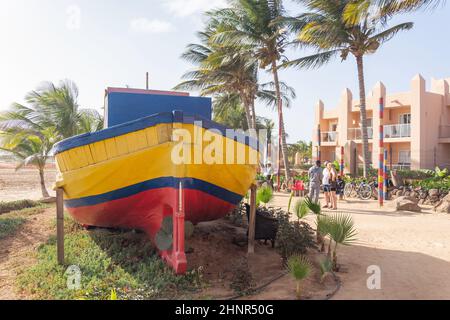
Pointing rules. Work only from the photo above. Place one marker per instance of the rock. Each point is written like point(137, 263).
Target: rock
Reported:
point(434, 193)
point(414, 194)
point(408, 198)
point(444, 205)
point(48, 200)
point(421, 201)
point(406, 204)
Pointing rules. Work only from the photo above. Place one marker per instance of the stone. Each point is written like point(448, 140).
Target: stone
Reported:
point(406, 204)
point(433, 193)
point(444, 205)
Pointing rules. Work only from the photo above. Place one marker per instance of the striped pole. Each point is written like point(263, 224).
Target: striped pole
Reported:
point(385, 175)
point(319, 143)
point(342, 162)
point(381, 157)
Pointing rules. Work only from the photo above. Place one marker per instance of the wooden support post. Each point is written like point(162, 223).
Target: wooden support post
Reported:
point(252, 220)
point(60, 224)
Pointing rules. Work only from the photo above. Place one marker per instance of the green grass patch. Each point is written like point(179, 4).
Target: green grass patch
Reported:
point(9, 206)
point(9, 225)
point(11, 222)
point(124, 261)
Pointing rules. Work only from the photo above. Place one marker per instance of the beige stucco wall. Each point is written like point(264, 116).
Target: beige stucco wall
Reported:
point(429, 111)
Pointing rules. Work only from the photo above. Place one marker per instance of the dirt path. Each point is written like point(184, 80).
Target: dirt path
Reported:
point(412, 251)
point(16, 250)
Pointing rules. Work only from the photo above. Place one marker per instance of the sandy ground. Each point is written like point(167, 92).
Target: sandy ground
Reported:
point(412, 251)
point(16, 251)
point(23, 184)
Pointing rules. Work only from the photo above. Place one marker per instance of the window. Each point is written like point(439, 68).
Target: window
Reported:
point(404, 157)
point(369, 122)
point(405, 118)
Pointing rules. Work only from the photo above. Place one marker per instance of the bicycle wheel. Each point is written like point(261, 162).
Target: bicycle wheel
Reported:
point(365, 191)
point(348, 189)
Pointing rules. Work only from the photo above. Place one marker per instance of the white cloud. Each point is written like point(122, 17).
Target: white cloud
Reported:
point(150, 26)
point(184, 8)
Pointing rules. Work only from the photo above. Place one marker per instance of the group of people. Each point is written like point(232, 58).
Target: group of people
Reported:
point(329, 179)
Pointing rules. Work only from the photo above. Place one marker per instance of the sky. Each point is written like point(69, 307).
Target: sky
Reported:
point(101, 43)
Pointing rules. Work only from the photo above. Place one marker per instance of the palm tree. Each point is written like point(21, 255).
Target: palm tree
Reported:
point(50, 115)
point(254, 24)
point(30, 149)
point(389, 6)
point(326, 29)
point(299, 268)
point(52, 106)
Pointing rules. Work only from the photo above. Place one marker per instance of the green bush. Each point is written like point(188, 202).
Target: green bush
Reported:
point(434, 183)
point(9, 206)
point(293, 237)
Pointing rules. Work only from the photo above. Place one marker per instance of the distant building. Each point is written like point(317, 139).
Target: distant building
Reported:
point(416, 126)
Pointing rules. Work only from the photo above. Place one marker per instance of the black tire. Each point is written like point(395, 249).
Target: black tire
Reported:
point(365, 191)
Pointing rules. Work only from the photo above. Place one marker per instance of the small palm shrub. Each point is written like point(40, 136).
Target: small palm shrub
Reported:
point(264, 195)
point(301, 209)
point(326, 267)
point(299, 267)
point(323, 225)
point(315, 208)
point(342, 232)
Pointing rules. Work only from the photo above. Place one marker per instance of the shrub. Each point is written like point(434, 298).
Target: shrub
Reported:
point(10, 225)
point(293, 237)
point(434, 183)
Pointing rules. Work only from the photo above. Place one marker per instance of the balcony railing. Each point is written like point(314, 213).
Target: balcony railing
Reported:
point(401, 166)
point(330, 136)
point(444, 132)
point(397, 131)
point(356, 133)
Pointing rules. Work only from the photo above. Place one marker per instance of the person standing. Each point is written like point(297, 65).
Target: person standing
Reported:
point(326, 184)
point(333, 185)
point(315, 178)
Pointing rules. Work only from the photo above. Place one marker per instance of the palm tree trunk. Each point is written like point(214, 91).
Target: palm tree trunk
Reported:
point(253, 111)
point(43, 187)
point(283, 143)
point(363, 114)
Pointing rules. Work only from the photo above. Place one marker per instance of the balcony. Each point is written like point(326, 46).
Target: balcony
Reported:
point(444, 134)
point(329, 137)
point(397, 131)
point(356, 133)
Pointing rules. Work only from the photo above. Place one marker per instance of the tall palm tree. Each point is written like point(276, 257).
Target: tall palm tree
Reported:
point(326, 29)
point(30, 149)
point(255, 25)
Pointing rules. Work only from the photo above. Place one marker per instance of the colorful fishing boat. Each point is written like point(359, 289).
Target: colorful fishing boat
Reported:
point(130, 176)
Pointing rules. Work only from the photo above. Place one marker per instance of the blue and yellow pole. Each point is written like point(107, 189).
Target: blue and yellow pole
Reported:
point(342, 168)
point(381, 157)
point(385, 175)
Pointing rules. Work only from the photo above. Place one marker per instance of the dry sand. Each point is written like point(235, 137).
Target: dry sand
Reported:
point(412, 250)
point(24, 183)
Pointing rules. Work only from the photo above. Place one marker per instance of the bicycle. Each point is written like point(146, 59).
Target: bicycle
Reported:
point(363, 190)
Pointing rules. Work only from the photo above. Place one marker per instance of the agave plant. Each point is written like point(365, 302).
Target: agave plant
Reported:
point(264, 195)
point(342, 231)
point(299, 267)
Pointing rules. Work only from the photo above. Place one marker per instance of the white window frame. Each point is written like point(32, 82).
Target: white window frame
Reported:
point(401, 116)
point(400, 157)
